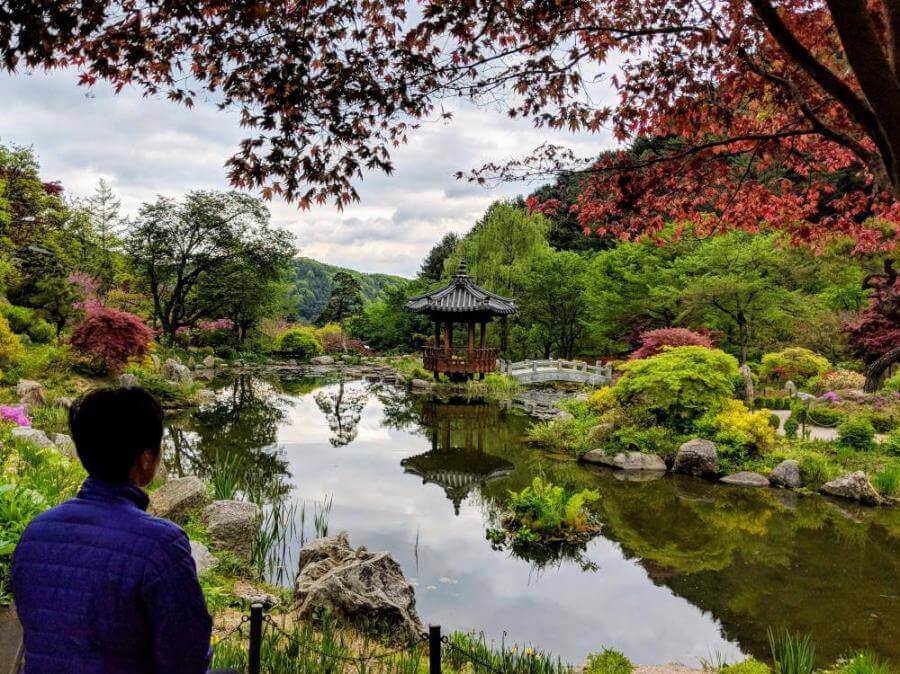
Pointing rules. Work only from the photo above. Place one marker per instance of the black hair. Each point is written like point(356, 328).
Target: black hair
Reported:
point(112, 427)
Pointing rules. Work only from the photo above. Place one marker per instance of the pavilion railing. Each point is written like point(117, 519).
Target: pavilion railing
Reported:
point(460, 359)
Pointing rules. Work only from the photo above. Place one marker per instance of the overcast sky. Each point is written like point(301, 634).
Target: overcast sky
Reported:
point(144, 147)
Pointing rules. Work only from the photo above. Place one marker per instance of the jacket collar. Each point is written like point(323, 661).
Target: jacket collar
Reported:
point(94, 489)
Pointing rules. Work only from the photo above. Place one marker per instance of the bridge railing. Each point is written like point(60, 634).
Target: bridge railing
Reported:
point(524, 366)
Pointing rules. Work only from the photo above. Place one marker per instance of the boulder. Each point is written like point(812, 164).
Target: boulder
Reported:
point(128, 380)
point(747, 384)
point(31, 393)
point(786, 474)
point(421, 384)
point(790, 388)
point(176, 372)
point(64, 444)
point(205, 396)
point(746, 478)
point(563, 416)
point(321, 360)
point(63, 401)
point(32, 435)
point(209, 361)
point(177, 498)
point(697, 457)
point(356, 586)
point(852, 486)
point(204, 560)
point(628, 461)
point(232, 526)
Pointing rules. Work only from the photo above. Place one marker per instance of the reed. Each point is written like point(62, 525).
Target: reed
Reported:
point(224, 475)
point(792, 654)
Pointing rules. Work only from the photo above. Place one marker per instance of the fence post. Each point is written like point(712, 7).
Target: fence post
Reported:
point(434, 649)
point(255, 651)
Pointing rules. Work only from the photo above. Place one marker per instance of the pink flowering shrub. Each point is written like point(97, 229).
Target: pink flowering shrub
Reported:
point(14, 414)
point(653, 341)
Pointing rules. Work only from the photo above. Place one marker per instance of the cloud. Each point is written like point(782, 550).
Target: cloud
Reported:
point(147, 146)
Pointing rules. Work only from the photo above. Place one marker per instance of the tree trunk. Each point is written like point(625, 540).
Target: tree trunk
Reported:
point(879, 369)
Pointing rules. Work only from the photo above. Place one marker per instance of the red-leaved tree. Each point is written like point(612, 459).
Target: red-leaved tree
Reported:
point(653, 341)
point(875, 337)
point(735, 114)
point(111, 338)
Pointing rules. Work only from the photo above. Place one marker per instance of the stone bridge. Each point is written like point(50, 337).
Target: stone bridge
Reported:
point(540, 371)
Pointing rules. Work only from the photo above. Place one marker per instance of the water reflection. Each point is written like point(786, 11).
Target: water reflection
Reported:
point(685, 568)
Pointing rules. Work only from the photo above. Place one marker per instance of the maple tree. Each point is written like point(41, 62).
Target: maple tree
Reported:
point(111, 337)
point(654, 341)
point(875, 336)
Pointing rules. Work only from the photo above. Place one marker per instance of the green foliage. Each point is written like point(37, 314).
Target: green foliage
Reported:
point(386, 325)
point(346, 299)
point(791, 426)
point(891, 444)
point(679, 385)
point(825, 416)
point(739, 433)
point(773, 402)
point(10, 346)
point(792, 654)
point(748, 666)
point(50, 418)
point(815, 469)
point(794, 364)
point(300, 343)
point(892, 383)
point(865, 662)
point(24, 321)
point(650, 440)
point(551, 510)
point(857, 432)
point(466, 648)
point(887, 481)
point(608, 661)
point(168, 393)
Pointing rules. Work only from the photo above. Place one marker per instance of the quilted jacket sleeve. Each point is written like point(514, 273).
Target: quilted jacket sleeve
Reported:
point(176, 609)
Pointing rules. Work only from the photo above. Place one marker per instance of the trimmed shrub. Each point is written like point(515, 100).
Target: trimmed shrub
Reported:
point(608, 661)
point(791, 426)
point(773, 402)
point(883, 422)
point(678, 385)
point(836, 380)
point(110, 337)
point(300, 343)
point(825, 416)
point(602, 400)
point(19, 318)
point(10, 345)
point(795, 364)
point(41, 332)
point(654, 341)
point(736, 428)
point(857, 433)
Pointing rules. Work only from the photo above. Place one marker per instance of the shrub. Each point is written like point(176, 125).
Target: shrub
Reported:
point(815, 469)
point(791, 426)
point(111, 337)
point(773, 402)
point(892, 383)
point(825, 416)
point(883, 422)
point(546, 508)
point(608, 661)
point(795, 364)
point(654, 341)
point(836, 380)
point(10, 346)
point(774, 421)
point(652, 440)
point(300, 343)
point(679, 385)
point(737, 428)
point(19, 318)
point(891, 444)
point(748, 666)
point(41, 332)
point(857, 432)
point(602, 400)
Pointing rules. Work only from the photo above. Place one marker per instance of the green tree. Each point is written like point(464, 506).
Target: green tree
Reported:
point(181, 250)
point(433, 264)
point(552, 302)
point(346, 301)
point(386, 325)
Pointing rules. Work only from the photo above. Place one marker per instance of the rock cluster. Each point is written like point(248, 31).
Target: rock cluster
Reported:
point(627, 461)
point(174, 371)
point(355, 586)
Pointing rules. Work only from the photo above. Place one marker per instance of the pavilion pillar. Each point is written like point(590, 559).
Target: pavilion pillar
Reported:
point(448, 336)
point(482, 334)
point(471, 338)
point(437, 333)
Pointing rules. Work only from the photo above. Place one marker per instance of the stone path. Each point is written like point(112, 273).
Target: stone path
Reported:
point(815, 432)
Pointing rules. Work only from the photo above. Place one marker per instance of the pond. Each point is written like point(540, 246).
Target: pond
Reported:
point(683, 569)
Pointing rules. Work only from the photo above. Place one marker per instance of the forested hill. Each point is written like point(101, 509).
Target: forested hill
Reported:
point(312, 286)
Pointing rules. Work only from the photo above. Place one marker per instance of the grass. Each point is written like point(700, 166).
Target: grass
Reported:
point(864, 662)
point(464, 648)
point(224, 475)
point(792, 654)
point(887, 481)
point(50, 418)
point(494, 386)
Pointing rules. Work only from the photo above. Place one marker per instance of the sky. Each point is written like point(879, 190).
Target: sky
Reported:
point(146, 147)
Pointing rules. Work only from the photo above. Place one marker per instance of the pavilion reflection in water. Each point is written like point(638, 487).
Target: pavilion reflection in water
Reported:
point(457, 462)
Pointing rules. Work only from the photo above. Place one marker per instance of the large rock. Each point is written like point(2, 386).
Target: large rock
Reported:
point(421, 385)
point(852, 486)
point(626, 460)
point(746, 478)
point(697, 457)
point(206, 396)
point(321, 360)
point(786, 474)
point(64, 444)
point(176, 372)
point(177, 498)
point(232, 526)
point(204, 560)
point(128, 380)
point(356, 586)
point(32, 435)
point(209, 361)
point(31, 393)
point(790, 388)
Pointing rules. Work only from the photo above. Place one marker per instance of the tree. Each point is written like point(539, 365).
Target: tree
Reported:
point(552, 302)
point(180, 249)
point(346, 301)
point(875, 337)
point(768, 105)
point(654, 341)
point(433, 264)
point(112, 337)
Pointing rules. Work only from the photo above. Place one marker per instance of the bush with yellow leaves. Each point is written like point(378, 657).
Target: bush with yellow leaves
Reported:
point(737, 430)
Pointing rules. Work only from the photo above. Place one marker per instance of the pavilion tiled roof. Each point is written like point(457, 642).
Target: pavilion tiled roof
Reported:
point(461, 296)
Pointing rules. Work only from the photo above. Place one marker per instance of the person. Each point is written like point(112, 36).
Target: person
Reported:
point(100, 585)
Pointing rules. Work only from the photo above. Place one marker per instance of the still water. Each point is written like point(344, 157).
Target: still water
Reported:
point(682, 569)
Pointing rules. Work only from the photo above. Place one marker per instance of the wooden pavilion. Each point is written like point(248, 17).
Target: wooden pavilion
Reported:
point(461, 302)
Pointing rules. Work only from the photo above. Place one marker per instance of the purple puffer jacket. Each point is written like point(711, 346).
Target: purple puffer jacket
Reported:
point(102, 587)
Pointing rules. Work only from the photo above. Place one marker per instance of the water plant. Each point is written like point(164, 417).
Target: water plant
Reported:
point(545, 512)
point(792, 654)
point(471, 652)
point(270, 551)
point(608, 661)
point(887, 481)
point(865, 662)
point(224, 475)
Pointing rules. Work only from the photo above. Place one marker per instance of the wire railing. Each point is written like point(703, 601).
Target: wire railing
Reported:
point(433, 642)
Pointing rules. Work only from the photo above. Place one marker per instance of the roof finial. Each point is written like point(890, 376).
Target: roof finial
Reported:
point(462, 269)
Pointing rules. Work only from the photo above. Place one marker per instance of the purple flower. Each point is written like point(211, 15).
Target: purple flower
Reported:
point(831, 397)
point(14, 414)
